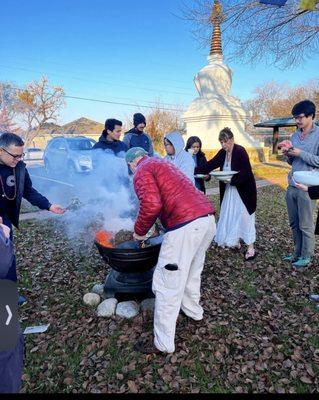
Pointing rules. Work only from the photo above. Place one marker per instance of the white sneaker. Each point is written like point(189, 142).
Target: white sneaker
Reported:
point(314, 297)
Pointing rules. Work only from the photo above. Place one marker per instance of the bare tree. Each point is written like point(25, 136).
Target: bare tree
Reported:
point(38, 104)
point(284, 36)
point(8, 100)
point(6, 123)
point(160, 122)
point(275, 100)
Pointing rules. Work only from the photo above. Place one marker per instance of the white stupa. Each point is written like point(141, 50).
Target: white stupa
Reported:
point(215, 108)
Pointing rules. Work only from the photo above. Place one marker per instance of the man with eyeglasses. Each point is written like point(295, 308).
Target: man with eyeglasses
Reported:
point(303, 156)
point(15, 184)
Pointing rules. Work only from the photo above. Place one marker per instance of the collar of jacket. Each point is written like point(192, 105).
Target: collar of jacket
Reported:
point(314, 128)
point(142, 160)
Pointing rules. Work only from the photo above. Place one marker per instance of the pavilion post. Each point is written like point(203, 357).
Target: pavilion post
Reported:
point(275, 139)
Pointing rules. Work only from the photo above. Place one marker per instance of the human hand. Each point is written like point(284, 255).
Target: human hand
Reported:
point(301, 186)
point(207, 177)
point(138, 237)
point(5, 229)
point(57, 209)
point(293, 152)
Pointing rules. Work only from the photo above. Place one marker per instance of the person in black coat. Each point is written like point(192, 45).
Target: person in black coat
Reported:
point(194, 146)
point(109, 140)
point(15, 184)
point(235, 158)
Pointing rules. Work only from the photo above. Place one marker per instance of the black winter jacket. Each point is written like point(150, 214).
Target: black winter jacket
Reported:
point(27, 191)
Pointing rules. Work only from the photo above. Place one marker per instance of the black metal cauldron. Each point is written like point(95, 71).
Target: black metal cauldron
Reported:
point(132, 267)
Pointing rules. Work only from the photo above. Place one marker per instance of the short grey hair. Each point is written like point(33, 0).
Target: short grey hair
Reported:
point(225, 134)
point(9, 138)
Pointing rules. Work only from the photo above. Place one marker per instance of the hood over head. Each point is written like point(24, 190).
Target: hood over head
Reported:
point(177, 141)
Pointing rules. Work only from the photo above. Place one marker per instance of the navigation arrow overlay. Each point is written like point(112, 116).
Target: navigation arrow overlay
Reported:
point(9, 315)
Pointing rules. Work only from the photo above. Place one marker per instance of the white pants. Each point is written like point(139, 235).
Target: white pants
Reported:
point(175, 290)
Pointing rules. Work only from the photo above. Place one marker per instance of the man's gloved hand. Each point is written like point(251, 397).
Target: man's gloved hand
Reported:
point(138, 237)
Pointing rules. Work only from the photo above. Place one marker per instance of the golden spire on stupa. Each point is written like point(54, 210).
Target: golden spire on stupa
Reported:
point(216, 19)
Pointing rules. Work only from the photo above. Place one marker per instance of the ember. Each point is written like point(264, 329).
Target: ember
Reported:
point(104, 238)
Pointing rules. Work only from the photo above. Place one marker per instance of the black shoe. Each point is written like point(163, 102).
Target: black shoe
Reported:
point(147, 348)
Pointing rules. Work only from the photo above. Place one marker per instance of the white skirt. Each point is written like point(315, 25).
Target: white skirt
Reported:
point(234, 222)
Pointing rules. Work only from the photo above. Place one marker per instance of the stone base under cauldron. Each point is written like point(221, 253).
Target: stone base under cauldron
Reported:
point(129, 285)
point(111, 306)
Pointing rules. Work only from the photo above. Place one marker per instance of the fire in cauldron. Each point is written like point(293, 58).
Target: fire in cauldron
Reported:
point(132, 263)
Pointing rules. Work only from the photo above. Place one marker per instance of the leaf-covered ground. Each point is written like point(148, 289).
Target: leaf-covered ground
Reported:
point(259, 334)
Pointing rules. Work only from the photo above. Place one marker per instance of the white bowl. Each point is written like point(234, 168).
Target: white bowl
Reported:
point(223, 175)
point(308, 178)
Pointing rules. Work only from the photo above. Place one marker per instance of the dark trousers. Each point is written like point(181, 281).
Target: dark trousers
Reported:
point(11, 367)
point(300, 211)
point(12, 273)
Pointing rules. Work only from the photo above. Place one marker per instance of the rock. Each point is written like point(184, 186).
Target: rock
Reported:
point(127, 309)
point(148, 305)
point(98, 289)
point(91, 299)
point(107, 308)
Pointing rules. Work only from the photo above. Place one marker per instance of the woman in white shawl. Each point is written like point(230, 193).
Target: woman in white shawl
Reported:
point(174, 147)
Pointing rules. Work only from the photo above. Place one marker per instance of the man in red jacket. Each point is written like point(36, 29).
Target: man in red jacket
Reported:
point(188, 218)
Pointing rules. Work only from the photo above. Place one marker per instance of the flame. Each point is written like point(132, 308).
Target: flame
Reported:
point(104, 238)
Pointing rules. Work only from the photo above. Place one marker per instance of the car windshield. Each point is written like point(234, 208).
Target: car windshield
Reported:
point(80, 144)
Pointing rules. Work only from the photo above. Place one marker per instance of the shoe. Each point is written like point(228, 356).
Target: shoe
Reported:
point(302, 262)
point(21, 300)
point(190, 318)
point(250, 255)
point(314, 297)
point(147, 348)
point(290, 258)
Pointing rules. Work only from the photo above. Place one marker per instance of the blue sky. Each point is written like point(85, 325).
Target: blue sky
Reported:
point(128, 51)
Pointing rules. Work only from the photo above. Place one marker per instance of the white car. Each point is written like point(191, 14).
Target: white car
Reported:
point(33, 153)
point(69, 155)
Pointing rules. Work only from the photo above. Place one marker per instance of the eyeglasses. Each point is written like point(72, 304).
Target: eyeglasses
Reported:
point(15, 156)
point(299, 117)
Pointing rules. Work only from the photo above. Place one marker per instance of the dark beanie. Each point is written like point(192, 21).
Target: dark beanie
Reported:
point(138, 118)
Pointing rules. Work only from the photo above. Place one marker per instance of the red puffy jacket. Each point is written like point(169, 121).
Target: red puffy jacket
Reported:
point(166, 193)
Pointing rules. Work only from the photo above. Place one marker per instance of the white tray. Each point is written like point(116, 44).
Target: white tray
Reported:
point(308, 178)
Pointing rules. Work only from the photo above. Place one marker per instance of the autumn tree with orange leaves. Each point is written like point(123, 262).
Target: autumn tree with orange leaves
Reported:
point(38, 104)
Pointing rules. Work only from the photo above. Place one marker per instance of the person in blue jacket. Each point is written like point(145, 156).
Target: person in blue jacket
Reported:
point(11, 361)
point(15, 184)
point(109, 140)
point(136, 137)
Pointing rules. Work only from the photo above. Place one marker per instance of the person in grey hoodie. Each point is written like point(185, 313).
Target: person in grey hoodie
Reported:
point(174, 147)
point(302, 156)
